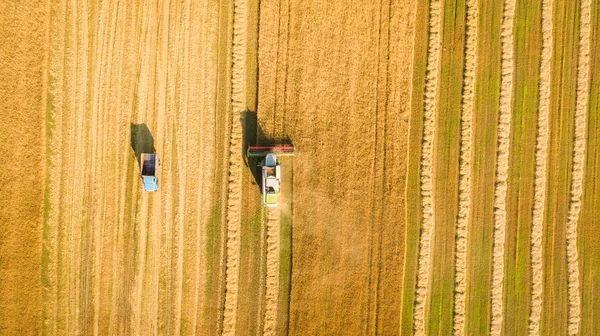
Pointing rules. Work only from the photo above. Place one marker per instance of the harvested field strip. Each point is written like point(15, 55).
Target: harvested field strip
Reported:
point(588, 238)
point(220, 119)
point(521, 172)
point(251, 284)
point(504, 117)
point(541, 154)
point(152, 65)
point(253, 234)
point(560, 155)
point(413, 184)
point(464, 184)
point(590, 216)
point(431, 87)
point(581, 111)
point(285, 247)
point(116, 260)
point(397, 66)
point(203, 138)
point(272, 272)
point(234, 193)
point(446, 170)
point(484, 123)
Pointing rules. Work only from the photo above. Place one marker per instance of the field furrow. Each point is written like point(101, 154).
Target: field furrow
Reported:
point(428, 224)
point(504, 118)
point(581, 111)
point(234, 198)
point(541, 153)
point(464, 183)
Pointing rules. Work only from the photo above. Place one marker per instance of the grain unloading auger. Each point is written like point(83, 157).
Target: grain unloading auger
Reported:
point(271, 170)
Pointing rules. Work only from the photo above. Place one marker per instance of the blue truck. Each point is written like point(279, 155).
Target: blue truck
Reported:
point(149, 165)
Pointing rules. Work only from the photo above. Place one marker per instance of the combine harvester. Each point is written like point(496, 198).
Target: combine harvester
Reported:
point(149, 163)
point(271, 170)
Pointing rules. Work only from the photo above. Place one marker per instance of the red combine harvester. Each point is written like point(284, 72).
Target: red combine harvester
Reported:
point(271, 170)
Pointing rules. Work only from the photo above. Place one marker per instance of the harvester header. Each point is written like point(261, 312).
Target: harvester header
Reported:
point(279, 150)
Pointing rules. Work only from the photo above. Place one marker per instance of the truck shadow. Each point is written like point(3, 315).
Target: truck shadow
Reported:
point(253, 134)
point(141, 140)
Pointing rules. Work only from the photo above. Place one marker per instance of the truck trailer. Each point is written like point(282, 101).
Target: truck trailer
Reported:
point(149, 166)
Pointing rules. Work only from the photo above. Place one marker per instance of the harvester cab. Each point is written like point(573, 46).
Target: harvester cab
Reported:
point(149, 165)
point(271, 170)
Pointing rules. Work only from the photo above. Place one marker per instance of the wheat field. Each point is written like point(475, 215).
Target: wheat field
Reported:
point(444, 180)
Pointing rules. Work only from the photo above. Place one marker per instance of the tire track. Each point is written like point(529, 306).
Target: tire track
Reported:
point(504, 119)
point(234, 190)
point(581, 107)
point(541, 154)
point(428, 226)
point(272, 282)
point(464, 182)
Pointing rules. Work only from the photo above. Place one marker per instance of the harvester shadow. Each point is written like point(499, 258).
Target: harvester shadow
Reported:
point(141, 140)
point(253, 134)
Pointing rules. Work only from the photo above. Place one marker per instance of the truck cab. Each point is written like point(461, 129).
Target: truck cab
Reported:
point(149, 165)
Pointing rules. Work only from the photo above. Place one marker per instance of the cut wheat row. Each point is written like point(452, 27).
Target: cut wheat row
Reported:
point(583, 68)
point(428, 226)
point(504, 117)
point(272, 290)
point(541, 153)
point(464, 182)
point(234, 192)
